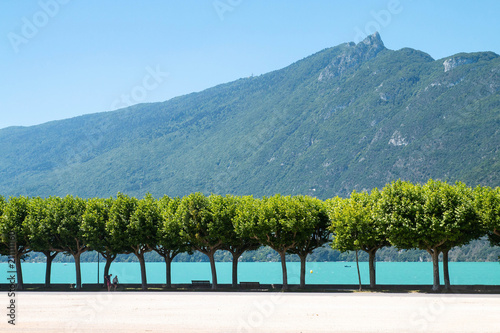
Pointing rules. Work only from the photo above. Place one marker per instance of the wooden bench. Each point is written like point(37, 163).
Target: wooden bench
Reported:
point(250, 285)
point(200, 283)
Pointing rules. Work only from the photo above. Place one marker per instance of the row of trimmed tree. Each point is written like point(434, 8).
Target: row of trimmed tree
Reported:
point(435, 216)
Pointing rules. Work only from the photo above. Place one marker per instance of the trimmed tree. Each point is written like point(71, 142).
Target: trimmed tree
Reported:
point(198, 228)
point(42, 236)
point(14, 232)
point(487, 205)
point(276, 222)
point(224, 211)
point(357, 225)
point(95, 227)
point(142, 231)
point(403, 206)
point(169, 243)
point(452, 207)
point(314, 224)
point(65, 218)
point(120, 215)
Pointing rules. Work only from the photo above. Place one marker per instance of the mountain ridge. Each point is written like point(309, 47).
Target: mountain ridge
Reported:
point(354, 116)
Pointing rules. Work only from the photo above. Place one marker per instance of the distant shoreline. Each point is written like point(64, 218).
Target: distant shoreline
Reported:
point(323, 274)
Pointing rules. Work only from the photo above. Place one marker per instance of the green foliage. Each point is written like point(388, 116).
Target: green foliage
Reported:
point(95, 227)
point(451, 208)
point(120, 216)
point(402, 205)
point(311, 212)
point(2, 204)
point(226, 209)
point(12, 224)
point(169, 241)
point(198, 226)
point(67, 220)
point(50, 225)
point(144, 223)
point(434, 217)
point(279, 222)
point(41, 236)
point(446, 213)
point(286, 224)
point(357, 223)
point(487, 205)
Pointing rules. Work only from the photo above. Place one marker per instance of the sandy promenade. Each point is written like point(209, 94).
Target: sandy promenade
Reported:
point(251, 312)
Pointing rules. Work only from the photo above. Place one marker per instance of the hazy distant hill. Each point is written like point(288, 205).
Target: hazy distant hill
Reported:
point(354, 116)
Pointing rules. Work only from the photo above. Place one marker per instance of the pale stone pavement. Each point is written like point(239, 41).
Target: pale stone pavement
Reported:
point(251, 312)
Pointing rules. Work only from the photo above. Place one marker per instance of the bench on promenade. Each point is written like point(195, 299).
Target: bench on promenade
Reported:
point(201, 283)
point(250, 285)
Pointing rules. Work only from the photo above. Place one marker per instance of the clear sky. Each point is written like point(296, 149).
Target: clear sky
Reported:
point(64, 58)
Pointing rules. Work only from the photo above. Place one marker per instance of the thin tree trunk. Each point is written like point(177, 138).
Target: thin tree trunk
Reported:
point(359, 274)
point(446, 272)
point(371, 264)
point(236, 256)
point(19, 271)
point(283, 268)
point(78, 271)
point(144, 281)
point(435, 269)
point(48, 268)
point(303, 270)
point(214, 272)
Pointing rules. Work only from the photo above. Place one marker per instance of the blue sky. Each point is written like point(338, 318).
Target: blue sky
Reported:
point(64, 58)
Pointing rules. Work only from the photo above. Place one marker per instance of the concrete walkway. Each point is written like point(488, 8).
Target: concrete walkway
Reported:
point(251, 312)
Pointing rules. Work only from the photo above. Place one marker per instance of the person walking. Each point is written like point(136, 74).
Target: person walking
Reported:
point(107, 278)
point(115, 282)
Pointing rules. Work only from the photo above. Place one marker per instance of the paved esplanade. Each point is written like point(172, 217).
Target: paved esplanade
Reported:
point(253, 312)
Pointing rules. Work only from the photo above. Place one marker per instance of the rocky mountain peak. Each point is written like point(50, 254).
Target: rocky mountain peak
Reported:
point(374, 40)
point(353, 56)
point(370, 46)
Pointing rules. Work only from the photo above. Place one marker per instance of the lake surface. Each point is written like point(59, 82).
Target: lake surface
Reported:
point(487, 273)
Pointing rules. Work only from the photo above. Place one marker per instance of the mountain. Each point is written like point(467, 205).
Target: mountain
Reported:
point(355, 116)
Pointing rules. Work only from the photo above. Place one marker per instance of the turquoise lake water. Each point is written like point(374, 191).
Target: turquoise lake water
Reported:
point(487, 273)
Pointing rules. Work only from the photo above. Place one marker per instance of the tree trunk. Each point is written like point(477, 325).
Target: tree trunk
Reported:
point(19, 271)
point(371, 264)
point(236, 256)
point(212, 267)
point(168, 268)
point(48, 268)
point(109, 260)
point(359, 274)
point(303, 270)
point(78, 271)
point(144, 281)
point(283, 268)
point(435, 268)
point(446, 272)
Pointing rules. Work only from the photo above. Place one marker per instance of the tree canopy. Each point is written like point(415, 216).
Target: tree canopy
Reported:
point(199, 228)
point(434, 217)
point(357, 224)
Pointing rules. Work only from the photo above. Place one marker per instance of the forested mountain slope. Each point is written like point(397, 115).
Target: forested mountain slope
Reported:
point(355, 116)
